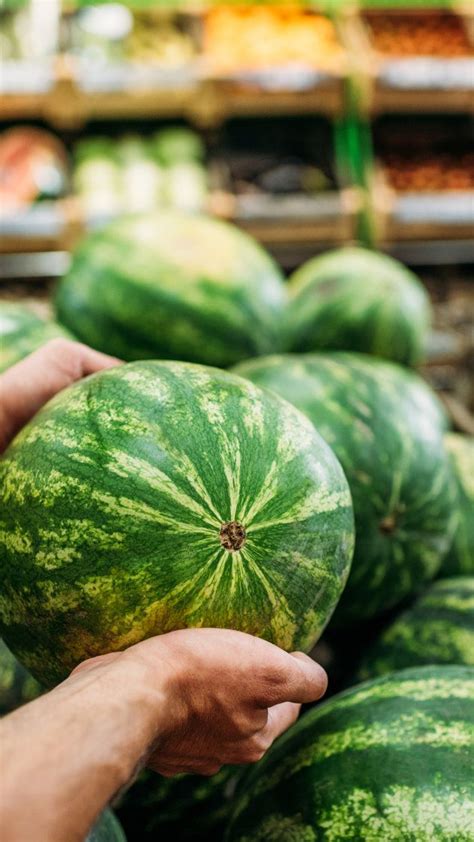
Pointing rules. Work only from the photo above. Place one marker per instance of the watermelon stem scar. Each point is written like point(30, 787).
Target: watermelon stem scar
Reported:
point(232, 535)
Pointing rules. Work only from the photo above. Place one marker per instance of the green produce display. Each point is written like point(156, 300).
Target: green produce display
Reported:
point(386, 761)
point(460, 558)
point(186, 808)
point(138, 174)
point(159, 495)
point(354, 299)
point(385, 426)
point(107, 829)
point(22, 332)
point(174, 286)
point(17, 686)
point(437, 629)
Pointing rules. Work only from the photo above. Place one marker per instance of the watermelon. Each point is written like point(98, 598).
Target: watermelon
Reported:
point(17, 686)
point(353, 299)
point(173, 286)
point(160, 495)
point(106, 829)
point(185, 808)
point(22, 331)
point(387, 761)
point(386, 428)
point(460, 558)
point(437, 629)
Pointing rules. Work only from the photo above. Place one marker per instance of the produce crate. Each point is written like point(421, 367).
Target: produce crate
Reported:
point(417, 60)
point(87, 77)
point(281, 181)
point(424, 183)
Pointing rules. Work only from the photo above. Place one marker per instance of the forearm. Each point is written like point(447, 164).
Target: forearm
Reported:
point(73, 750)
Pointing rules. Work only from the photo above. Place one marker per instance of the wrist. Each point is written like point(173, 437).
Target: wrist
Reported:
point(95, 730)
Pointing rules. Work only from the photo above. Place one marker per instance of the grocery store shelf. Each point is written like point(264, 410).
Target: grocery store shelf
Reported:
point(437, 253)
point(40, 266)
point(205, 104)
point(34, 266)
point(421, 101)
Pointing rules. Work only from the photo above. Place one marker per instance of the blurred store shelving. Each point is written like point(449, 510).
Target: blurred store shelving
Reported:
point(303, 118)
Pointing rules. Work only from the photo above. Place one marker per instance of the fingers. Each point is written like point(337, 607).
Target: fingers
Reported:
point(280, 718)
point(92, 361)
point(72, 360)
point(295, 678)
point(252, 749)
point(28, 385)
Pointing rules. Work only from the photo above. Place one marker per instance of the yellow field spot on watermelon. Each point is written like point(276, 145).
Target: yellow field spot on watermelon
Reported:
point(397, 813)
point(413, 729)
point(15, 540)
point(252, 413)
point(421, 690)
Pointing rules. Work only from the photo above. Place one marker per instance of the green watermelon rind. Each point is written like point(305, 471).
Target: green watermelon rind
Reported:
point(106, 829)
point(385, 426)
point(22, 331)
point(354, 299)
point(389, 759)
point(173, 286)
point(116, 488)
point(437, 629)
point(460, 558)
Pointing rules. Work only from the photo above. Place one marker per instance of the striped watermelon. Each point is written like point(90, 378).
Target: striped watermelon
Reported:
point(354, 299)
point(155, 496)
point(17, 686)
point(460, 558)
point(22, 332)
point(386, 761)
point(437, 629)
point(185, 808)
point(385, 427)
point(172, 286)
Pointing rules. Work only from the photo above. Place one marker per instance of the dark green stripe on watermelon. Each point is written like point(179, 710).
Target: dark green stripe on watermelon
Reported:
point(386, 427)
point(460, 558)
point(353, 299)
point(388, 760)
point(156, 496)
point(185, 808)
point(437, 629)
point(174, 286)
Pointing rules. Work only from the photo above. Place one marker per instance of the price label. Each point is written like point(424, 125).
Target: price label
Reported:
point(26, 77)
point(297, 206)
point(101, 77)
point(428, 73)
point(287, 78)
point(42, 220)
point(453, 208)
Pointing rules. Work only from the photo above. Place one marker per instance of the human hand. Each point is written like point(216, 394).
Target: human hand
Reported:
point(29, 384)
point(224, 696)
point(187, 701)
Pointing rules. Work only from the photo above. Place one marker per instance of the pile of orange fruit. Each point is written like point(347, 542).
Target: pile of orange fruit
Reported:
point(255, 37)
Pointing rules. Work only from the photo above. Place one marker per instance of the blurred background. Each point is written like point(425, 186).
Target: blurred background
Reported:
point(308, 125)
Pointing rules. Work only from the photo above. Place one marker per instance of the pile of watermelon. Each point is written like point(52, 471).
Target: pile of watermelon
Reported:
point(267, 459)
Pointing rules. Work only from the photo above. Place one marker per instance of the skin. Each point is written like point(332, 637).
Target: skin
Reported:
point(188, 701)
